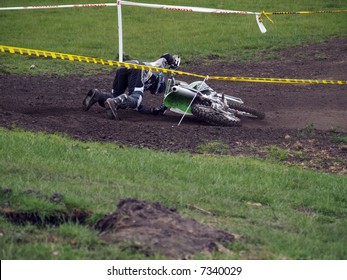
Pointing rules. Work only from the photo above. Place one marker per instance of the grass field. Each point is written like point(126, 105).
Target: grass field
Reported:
point(277, 212)
point(149, 32)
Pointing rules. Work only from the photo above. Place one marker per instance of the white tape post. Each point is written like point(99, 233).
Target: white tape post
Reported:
point(120, 30)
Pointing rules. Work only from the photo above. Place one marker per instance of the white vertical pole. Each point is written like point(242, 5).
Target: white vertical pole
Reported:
point(120, 30)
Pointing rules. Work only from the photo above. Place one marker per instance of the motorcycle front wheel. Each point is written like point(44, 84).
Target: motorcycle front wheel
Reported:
point(214, 117)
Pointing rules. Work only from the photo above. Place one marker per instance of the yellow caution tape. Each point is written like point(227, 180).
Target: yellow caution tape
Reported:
point(304, 12)
point(79, 58)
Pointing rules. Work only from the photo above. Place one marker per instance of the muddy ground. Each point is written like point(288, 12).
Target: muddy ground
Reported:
point(304, 124)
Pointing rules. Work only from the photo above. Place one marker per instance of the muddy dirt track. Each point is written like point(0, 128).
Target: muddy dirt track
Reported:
point(306, 121)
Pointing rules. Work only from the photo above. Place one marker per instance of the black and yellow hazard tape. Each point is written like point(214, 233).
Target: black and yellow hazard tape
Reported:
point(304, 12)
point(266, 14)
point(79, 58)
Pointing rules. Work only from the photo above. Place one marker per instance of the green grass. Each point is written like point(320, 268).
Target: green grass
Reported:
point(340, 139)
point(214, 147)
point(278, 211)
point(150, 32)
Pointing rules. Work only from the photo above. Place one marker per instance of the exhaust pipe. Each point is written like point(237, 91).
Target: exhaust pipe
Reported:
point(184, 91)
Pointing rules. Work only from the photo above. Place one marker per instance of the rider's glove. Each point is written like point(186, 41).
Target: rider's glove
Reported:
point(144, 110)
point(172, 60)
point(159, 110)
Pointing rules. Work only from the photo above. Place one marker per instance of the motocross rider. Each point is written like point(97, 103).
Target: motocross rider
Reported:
point(137, 81)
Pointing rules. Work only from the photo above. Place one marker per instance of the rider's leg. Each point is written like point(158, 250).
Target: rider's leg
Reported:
point(120, 82)
point(133, 100)
point(122, 101)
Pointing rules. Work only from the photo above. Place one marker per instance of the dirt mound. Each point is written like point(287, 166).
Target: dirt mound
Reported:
point(152, 228)
point(303, 120)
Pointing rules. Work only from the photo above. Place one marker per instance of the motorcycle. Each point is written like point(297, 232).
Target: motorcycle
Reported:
point(200, 100)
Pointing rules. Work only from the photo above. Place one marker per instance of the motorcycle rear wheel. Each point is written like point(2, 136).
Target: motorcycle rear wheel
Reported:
point(214, 117)
point(251, 112)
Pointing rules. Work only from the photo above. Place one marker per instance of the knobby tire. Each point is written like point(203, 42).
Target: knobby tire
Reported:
point(212, 116)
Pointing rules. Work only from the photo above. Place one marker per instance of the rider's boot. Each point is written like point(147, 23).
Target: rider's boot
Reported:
point(93, 96)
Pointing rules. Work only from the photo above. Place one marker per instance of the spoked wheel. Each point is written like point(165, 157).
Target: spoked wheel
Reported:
point(246, 111)
point(214, 117)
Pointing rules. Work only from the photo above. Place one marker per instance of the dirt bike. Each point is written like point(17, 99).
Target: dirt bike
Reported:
point(201, 101)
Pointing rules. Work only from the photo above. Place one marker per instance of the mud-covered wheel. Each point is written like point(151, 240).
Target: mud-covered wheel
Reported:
point(246, 110)
point(214, 117)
